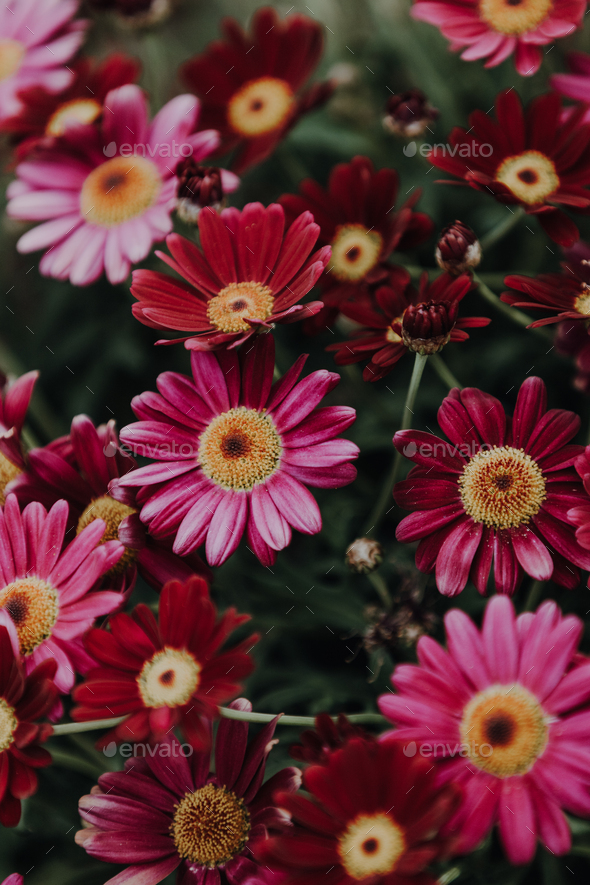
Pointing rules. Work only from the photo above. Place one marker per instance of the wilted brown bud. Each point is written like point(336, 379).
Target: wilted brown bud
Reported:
point(409, 113)
point(427, 327)
point(458, 248)
point(136, 13)
point(364, 555)
point(198, 187)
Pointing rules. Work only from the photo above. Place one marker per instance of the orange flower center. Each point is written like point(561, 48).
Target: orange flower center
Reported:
point(8, 472)
point(79, 110)
point(120, 189)
point(113, 513)
point(169, 679)
point(226, 311)
point(8, 725)
point(371, 845)
point(210, 826)
point(355, 251)
point(240, 449)
point(33, 608)
point(530, 176)
point(11, 55)
point(260, 106)
point(514, 16)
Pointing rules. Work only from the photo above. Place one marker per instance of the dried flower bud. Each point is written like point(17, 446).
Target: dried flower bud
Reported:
point(198, 187)
point(409, 113)
point(136, 13)
point(427, 327)
point(458, 248)
point(364, 555)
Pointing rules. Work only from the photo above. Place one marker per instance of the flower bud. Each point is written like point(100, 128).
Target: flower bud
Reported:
point(458, 248)
point(409, 113)
point(364, 555)
point(198, 187)
point(136, 13)
point(427, 327)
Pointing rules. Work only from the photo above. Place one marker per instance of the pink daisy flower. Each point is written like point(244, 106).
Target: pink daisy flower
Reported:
point(105, 193)
point(575, 85)
point(15, 397)
point(496, 29)
point(45, 598)
point(234, 452)
point(15, 879)
point(37, 38)
point(505, 714)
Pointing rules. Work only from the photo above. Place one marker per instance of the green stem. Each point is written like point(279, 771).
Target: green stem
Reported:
point(532, 599)
point(385, 496)
point(512, 313)
point(443, 371)
point(500, 230)
point(73, 763)
point(381, 588)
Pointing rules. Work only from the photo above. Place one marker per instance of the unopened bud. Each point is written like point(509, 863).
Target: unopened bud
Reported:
point(136, 13)
point(458, 249)
point(198, 187)
point(364, 555)
point(427, 327)
point(409, 113)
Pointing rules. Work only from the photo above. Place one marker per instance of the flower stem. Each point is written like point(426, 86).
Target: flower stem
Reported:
point(532, 599)
point(501, 229)
point(443, 371)
point(381, 588)
point(385, 496)
point(512, 313)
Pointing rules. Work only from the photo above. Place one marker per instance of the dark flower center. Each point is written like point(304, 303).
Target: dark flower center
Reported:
point(370, 846)
point(500, 729)
point(503, 482)
point(239, 305)
point(529, 176)
point(235, 445)
point(167, 677)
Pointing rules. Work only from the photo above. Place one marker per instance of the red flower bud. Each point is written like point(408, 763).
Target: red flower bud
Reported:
point(198, 187)
point(409, 113)
point(427, 327)
point(458, 248)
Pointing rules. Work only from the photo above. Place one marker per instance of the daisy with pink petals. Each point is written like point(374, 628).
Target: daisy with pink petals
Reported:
point(45, 598)
point(234, 452)
point(37, 38)
point(497, 29)
point(15, 879)
point(15, 397)
point(105, 193)
point(507, 711)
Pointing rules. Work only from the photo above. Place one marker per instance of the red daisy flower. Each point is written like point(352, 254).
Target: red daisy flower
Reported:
point(506, 711)
point(373, 815)
point(423, 320)
point(166, 673)
point(234, 452)
point(253, 86)
point(84, 468)
point(498, 490)
point(168, 812)
point(528, 158)
point(14, 403)
point(357, 219)
point(249, 275)
point(23, 700)
point(44, 116)
point(317, 744)
point(495, 29)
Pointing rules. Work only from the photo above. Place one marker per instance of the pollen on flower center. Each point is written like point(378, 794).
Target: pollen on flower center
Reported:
point(505, 728)
point(502, 487)
point(514, 17)
point(371, 846)
point(240, 448)
point(355, 251)
point(530, 176)
point(78, 110)
point(8, 725)
point(260, 106)
point(120, 189)
point(226, 311)
point(392, 336)
point(582, 303)
point(210, 826)
point(113, 513)
point(169, 679)
point(11, 55)
point(33, 607)
point(8, 472)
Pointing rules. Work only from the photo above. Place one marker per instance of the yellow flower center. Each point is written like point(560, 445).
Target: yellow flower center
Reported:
point(169, 679)
point(79, 110)
point(33, 607)
point(113, 513)
point(11, 55)
point(371, 846)
point(530, 176)
point(355, 251)
point(502, 487)
point(582, 303)
point(514, 16)
point(240, 449)
point(260, 106)
point(120, 189)
point(8, 472)
point(210, 826)
point(8, 725)
point(226, 311)
point(505, 728)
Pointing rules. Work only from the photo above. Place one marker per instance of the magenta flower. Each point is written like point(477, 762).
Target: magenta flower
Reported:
point(105, 194)
point(507, 711)
point(45, 598)
point(168, 812)
point(577, 84)
point(14, 402)
point(234, 452)
point(36, 40)
point(498, 491)
point(15, 879)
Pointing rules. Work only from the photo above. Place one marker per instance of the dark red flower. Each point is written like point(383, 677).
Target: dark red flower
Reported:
point(409, 113)
point(253, 86)
point(387, 334)
point(14, 401)
point(165, 673)
point(357, 219)
point(44, 116)
point(529, 158)
point(317, 744)
point(373, 815)
point(23, 700)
